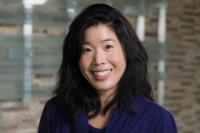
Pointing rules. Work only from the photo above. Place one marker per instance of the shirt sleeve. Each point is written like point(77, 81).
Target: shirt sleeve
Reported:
point(166, 124)
point(53, 120)
point(44, 124)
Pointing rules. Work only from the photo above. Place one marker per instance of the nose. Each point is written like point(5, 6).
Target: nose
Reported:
point(99, 57)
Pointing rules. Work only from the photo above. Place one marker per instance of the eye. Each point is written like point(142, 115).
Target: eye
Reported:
point(108, 46)
point(86, 50)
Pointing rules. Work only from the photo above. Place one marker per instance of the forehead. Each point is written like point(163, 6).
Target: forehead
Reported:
point(99, 32)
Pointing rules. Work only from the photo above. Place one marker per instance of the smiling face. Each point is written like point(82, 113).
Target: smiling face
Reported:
point(102, 60)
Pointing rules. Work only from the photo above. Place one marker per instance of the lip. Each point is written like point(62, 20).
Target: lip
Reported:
point(101, 74)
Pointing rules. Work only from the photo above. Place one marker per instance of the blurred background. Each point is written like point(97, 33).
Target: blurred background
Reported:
point(31, 36)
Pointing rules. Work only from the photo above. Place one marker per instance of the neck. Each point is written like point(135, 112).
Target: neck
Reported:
point(105, 98)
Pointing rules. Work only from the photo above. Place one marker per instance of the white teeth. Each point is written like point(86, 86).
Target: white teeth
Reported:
point(102, 73)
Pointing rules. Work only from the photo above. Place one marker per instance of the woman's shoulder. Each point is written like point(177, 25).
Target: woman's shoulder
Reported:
point(151, 112)
point(51, 108)
point(50, 104)
point(143, 104)
point(53, 119)
point(52, 112)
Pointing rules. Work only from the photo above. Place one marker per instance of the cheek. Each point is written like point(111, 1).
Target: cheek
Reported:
point(117, 58)
point(83, 64)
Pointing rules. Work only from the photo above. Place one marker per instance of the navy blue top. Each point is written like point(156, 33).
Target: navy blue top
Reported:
point(95, 130)
point(149, 117)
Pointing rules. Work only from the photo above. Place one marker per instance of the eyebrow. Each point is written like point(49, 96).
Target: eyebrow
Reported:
point(85, 43)
point(105, 40)
point(108, 39)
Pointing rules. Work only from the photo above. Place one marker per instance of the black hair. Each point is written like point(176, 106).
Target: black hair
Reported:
point(73, 92)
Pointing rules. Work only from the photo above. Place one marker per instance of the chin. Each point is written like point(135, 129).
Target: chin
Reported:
point(104, 87)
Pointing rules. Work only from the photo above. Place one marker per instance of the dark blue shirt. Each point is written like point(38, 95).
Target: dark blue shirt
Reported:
point(96, 130)
point(149, 117)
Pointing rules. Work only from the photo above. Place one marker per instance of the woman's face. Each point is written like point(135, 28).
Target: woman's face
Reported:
point(102, 60)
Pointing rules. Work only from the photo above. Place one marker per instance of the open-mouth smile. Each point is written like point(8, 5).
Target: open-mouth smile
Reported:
point(101, 75)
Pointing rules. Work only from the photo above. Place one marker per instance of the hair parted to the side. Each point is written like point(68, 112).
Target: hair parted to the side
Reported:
point(73, 92)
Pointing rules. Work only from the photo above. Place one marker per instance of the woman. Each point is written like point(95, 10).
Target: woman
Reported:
point(103, 84)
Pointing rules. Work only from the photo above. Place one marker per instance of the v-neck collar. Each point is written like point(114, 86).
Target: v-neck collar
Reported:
point(81, 125)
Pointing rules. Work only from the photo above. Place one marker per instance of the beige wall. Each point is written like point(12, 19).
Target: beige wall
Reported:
point(183, 64)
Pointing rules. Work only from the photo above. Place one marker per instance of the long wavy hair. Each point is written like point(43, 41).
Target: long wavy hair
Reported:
point(73, 92)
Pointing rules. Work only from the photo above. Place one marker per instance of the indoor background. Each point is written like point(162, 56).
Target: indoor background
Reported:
point(31, 36)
